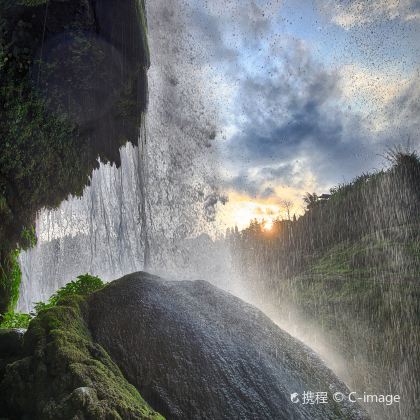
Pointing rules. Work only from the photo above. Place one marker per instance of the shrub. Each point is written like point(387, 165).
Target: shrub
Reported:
point(83, 285)
point(15, 320)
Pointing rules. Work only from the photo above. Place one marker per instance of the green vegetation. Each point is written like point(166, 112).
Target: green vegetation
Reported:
point(83, 286)
point(66, 374)
point(10, 277)
point(374, 253)
point(73, 89)
point(15, 320)
point(10, 273)
point(349, 269)
point(63, 105)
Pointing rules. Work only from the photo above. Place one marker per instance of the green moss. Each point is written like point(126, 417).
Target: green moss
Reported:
point(62, 111)
point(28, 237)
point(74, 376)
point(84, 285)
point(10, 278)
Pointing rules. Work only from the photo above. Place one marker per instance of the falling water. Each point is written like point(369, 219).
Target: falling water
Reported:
point(145, 213)
point(156, 210)
point(104, 232)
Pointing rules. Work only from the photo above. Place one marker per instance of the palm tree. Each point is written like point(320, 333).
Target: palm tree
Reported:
point(310, 200)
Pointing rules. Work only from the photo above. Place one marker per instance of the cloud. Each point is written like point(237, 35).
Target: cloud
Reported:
point(297, 124)
point(407, 104)
point(268, 192)
point(296, 114)
point(290, 174)
point(372, 93)
point(353, 13)
point(261, 182)
point(229, 76)
point(403, 113)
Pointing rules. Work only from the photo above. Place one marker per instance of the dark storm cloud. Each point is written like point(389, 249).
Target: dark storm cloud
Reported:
point(243, 183)
point(286, 174)
point(260, 183)
point(299, 113)
point(288, 109)
point(294, 113)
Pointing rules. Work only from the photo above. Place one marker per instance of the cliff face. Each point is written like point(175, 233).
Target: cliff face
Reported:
point(191, 350)
point(73, 89)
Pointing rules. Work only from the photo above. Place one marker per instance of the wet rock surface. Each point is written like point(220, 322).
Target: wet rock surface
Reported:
point(11, 342)
point(194, 351)
point(11, 347)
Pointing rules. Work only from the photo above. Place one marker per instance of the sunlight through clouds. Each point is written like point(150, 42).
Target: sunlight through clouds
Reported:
point(360, 12)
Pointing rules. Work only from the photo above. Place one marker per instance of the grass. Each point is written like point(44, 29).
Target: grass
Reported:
point(371, 254)
point(364, 297)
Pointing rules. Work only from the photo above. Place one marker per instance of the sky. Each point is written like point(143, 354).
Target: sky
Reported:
point(308, 93)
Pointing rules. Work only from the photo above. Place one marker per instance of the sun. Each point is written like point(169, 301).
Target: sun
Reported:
point(268, 225)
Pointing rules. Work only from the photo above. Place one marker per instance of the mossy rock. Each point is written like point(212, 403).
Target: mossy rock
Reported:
point(11, 342)
point(73, 89)
point(64, 374)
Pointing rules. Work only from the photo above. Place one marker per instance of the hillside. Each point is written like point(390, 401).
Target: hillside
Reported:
point(348, 271)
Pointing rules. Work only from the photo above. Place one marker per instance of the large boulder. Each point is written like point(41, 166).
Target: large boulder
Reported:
point(185, 349)
point(194, 351)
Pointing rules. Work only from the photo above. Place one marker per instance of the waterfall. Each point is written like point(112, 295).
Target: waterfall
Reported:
point(104, 232)
point(148, 213)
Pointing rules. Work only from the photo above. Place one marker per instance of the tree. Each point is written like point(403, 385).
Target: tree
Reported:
point(287, 204)
point(310, 200)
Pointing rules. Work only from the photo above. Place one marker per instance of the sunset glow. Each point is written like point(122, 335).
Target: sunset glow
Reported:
point(240, 210)
point(268, 225)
